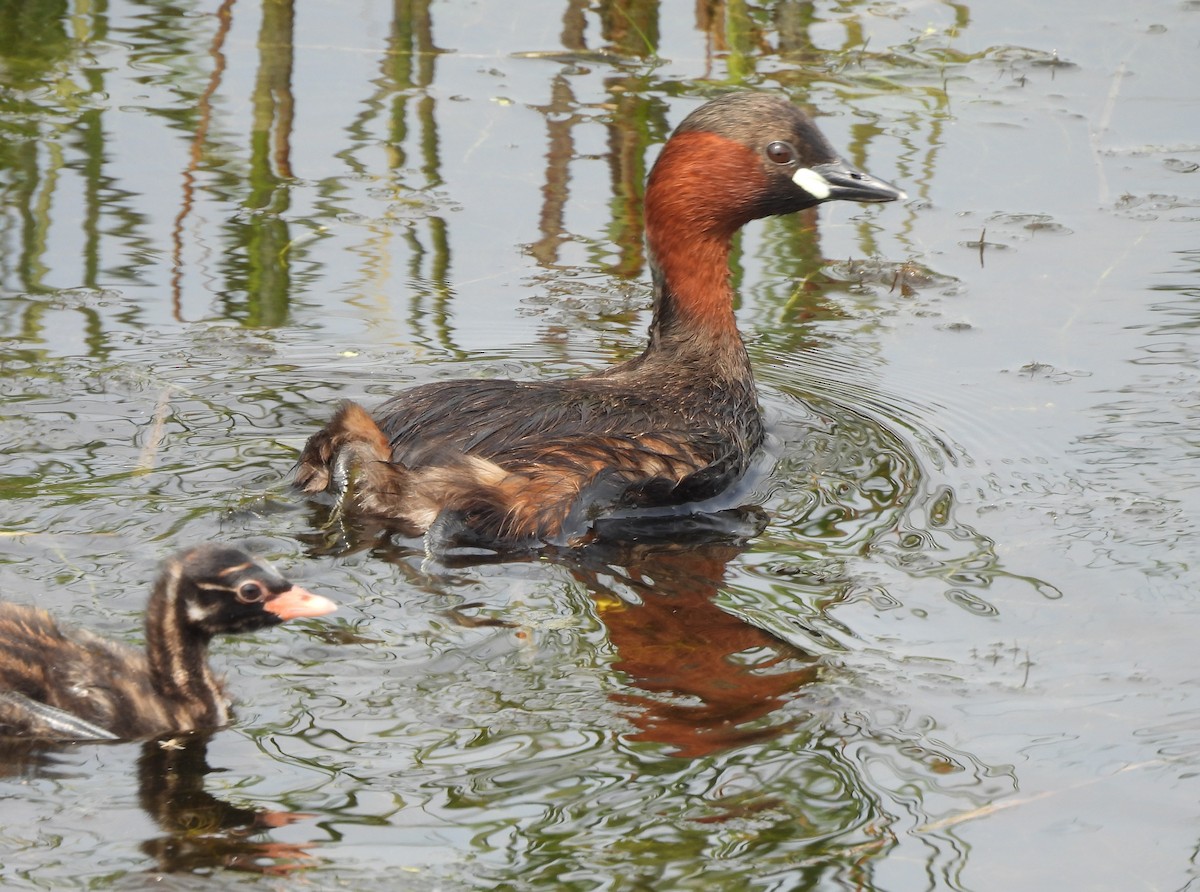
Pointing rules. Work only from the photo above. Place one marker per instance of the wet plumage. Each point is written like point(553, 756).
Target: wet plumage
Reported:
point(59, 683)
point(503, 463)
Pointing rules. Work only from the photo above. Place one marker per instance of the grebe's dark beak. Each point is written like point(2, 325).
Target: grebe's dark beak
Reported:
point(837, 180)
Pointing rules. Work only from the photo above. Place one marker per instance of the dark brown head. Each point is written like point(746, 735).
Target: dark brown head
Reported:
point(220, 590)
point(743, 156)
point(733, 160)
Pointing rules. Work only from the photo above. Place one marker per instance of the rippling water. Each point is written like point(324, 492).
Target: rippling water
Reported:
point(941, 636)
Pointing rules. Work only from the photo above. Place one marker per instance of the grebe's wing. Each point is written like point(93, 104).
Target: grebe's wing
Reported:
point(37, 719)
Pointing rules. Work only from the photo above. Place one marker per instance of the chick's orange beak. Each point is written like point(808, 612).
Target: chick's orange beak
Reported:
point(297, 602)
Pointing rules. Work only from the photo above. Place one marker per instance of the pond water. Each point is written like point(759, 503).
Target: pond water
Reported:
point(949, 643)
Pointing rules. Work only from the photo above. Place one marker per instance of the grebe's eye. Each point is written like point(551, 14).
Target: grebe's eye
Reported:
point(250, 593)
point(781, 152)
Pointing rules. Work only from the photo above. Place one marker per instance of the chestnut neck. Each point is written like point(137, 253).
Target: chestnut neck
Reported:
point(699, 194)
point(178, 652)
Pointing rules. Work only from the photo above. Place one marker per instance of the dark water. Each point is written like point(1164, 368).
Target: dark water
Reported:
point(951, 642)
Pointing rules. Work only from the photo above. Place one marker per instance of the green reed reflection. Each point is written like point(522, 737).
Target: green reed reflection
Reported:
point(265, 281)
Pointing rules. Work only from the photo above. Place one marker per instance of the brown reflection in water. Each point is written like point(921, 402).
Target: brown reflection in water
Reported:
point(630, 27)
point(699, 680)
point(711, 679)
point(559, 153)
point(201, 831)
point(574, 25)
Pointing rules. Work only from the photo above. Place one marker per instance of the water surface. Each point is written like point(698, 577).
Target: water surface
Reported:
point(948, 644)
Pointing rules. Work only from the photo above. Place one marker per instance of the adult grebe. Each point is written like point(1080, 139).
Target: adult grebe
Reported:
point(510, 463)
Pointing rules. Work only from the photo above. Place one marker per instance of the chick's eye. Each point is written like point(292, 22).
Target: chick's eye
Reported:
point(250, 592)
point(781, 152)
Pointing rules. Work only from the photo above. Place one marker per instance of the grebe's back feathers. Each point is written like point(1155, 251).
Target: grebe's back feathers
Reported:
point(508, 476)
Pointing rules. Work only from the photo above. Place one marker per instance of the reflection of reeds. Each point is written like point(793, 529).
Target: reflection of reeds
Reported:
point(407, 115)
point(632, 26)
point(559, 152)
point(268, 281)
point(1114, 88)
point(204, 120)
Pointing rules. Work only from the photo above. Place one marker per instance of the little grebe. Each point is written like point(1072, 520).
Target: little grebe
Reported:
point(70, 684)
point(502, 463)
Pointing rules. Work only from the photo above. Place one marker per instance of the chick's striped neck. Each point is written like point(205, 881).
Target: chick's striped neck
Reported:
point(177, 647)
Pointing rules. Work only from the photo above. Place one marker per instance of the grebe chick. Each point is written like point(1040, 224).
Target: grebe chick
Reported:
point(513, 463)
point(70, 684)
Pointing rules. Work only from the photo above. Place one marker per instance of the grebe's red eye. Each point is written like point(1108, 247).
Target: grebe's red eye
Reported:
point(781, 152)
point(250, 592)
